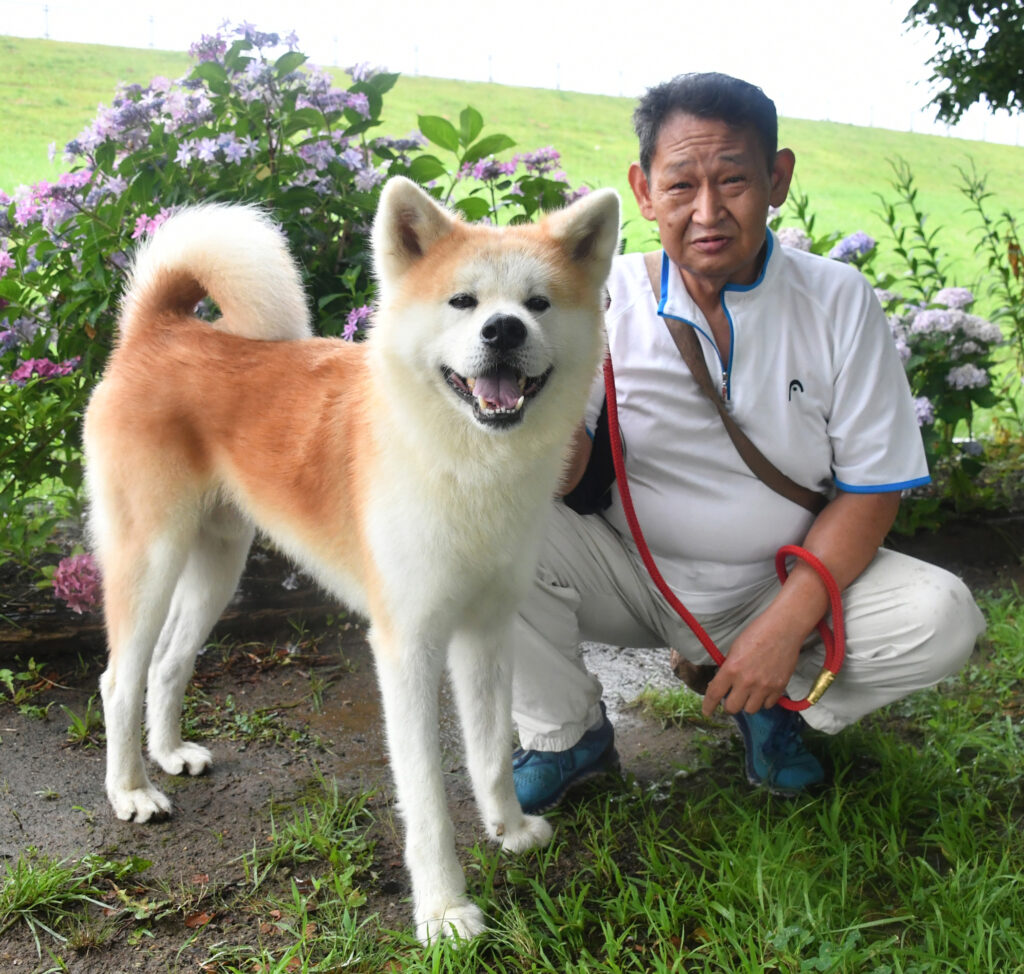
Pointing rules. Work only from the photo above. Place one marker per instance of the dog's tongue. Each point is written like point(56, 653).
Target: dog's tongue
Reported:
point(500, 388)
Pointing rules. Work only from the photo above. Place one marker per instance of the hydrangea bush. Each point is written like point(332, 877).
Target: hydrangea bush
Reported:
point(948, 351)
point(253, 121)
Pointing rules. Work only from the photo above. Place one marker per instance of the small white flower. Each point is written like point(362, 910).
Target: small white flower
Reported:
point(967, 376)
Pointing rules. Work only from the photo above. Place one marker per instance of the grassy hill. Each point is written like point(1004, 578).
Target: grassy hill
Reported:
point(50, 90)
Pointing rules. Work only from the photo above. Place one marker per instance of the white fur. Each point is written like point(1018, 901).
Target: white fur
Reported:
point(451, 517)
point(238, 254)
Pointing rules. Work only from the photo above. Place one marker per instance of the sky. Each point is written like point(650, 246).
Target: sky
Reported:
point(839, 60)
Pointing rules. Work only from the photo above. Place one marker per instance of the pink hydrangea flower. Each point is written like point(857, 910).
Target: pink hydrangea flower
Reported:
point(44, 368)
point(77, 582)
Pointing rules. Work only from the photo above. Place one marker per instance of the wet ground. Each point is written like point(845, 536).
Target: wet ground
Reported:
point(287, 700)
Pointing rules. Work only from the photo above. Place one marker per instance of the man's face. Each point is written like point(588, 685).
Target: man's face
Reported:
point(709, 190)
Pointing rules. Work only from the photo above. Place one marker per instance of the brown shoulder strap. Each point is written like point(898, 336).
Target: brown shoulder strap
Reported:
point(689, 348)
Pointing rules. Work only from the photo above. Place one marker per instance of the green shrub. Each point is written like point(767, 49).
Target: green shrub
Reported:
point(252, 122)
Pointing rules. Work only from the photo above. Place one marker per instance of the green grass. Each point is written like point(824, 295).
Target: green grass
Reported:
point(50, 90)
point(911, 862)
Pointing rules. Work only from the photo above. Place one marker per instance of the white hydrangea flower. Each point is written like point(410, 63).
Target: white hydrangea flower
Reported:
point(967, 376)
point(794, 237)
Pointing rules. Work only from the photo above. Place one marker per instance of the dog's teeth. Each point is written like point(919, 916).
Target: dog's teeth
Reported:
point(471, 382)
point(482, 403)
point(522, 383)
point(519, 403)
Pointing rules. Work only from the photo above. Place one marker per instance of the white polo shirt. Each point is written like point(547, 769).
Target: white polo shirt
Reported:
point(813, 378)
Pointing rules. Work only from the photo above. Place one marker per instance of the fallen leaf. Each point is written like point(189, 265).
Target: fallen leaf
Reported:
point(197, 920)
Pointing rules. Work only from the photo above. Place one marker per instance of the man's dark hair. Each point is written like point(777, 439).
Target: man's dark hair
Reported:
point(712, 96)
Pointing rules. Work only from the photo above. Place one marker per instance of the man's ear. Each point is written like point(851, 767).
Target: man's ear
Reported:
point(782, 176)
point(641, 190)
point(408, 223)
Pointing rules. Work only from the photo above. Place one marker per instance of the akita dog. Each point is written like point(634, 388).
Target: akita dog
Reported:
point(408, 474)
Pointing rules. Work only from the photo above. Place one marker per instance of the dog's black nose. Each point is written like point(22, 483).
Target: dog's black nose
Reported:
point(503, 332)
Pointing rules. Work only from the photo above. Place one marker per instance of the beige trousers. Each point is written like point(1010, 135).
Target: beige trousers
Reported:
point(909, 625)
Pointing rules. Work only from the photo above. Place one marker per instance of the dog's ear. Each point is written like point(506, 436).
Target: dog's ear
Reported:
point(407, 224)
point(588, 231)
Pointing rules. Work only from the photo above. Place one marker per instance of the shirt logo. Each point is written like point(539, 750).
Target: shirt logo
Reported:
point(795, 386)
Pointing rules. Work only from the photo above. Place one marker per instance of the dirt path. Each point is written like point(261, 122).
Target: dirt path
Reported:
point(286, 707)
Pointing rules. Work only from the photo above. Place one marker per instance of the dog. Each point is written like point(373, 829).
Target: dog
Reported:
point(408, 474)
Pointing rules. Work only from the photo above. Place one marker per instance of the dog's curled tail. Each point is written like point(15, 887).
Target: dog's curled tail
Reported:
point(232, 252)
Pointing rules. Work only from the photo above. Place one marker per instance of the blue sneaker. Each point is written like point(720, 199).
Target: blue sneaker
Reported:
point(543, 777)
point(776, 756)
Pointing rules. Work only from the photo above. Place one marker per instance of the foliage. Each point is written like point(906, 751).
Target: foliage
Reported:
point(44, 895)
point(948, 352)
point(251, 122)
point(980, 55)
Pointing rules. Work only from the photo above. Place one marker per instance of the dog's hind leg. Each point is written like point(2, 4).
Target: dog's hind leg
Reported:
point(481, 671)
point(138, 579)
point(207, 581)
point(410, 680)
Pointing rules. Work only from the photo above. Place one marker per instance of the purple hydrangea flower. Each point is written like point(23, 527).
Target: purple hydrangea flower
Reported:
point(78, 583)
point(363, 71)
point(852, 248)
point(923, 409)
point(491, 168)
point(206, 150)
point(42, 368)
point(540, 161)
point(6, 262)
point(571, 195)
point(356, 320)
point(367, 178)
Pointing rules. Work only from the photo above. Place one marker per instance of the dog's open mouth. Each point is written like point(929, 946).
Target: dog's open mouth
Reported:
point(499, 396)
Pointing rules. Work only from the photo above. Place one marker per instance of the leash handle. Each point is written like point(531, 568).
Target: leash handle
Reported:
point(833, 639)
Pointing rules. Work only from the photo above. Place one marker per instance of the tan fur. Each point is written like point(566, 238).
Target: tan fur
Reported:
point(356, 460)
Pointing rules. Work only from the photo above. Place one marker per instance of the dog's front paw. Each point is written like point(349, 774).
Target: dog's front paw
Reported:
point(532, 831)
point(191, 758)
point(459, 919)
point(139, 804)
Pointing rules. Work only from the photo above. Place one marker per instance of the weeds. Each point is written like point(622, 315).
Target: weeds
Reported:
point(85, 730)
point(911, 861)
point(46, 895)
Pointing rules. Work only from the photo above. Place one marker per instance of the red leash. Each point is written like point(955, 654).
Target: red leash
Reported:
point(835, 642)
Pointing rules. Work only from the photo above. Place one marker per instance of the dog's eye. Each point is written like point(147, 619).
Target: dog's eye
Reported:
point(537, 304)
point(463, 302)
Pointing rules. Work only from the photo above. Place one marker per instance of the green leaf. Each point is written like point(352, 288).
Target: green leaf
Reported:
point(214, 75)
point(488, 146)
point(439, 131)
point(473, 207)
point(287, 63)
point(373, 97)
point(384, 81)
point(425, 168)
point(303, 119)
point(471, 123)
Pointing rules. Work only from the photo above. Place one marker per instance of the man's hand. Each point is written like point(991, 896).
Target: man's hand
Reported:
point(760, 662)
point(757, 667)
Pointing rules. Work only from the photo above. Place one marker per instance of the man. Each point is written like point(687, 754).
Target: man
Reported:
point(810, 373)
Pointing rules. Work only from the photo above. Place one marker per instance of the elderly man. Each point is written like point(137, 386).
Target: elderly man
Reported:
point(805, 364)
